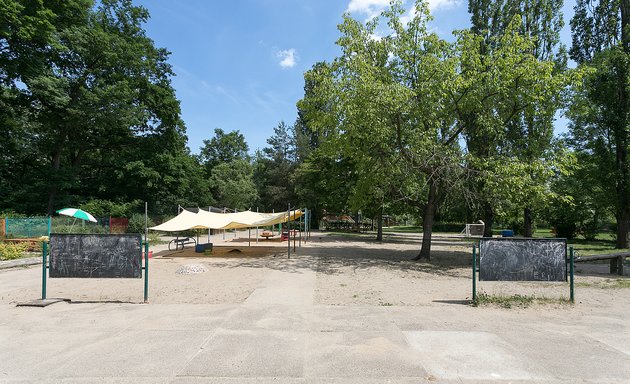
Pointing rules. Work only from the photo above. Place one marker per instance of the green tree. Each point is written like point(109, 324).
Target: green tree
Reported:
point(322, 178)
point(600, 113)
point(274, 169)
point(223, 148)
point(93, 86)
point(233, 185)
point(529, 134)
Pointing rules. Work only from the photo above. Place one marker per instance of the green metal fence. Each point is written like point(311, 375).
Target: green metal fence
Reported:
point(26, 227)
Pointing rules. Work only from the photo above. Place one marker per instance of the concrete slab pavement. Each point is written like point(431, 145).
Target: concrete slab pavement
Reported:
point(279, 334)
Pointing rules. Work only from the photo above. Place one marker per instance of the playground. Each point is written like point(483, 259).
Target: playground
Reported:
point(342, 309)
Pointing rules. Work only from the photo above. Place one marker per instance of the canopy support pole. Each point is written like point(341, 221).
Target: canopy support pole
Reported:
point(256, 228)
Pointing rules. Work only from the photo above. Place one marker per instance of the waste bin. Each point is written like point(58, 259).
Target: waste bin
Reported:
point(201, 248)
point(507, 233)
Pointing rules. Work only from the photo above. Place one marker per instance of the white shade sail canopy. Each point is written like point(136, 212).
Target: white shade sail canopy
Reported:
point(210, 220)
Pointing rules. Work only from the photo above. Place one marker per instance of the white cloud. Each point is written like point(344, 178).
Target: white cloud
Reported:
point(371, 8)
point(443, 4)
point(288, 58)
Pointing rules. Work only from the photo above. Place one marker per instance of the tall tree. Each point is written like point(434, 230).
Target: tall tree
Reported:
point(600, 115)
point(233, 184)
point(274, 169)
point(92, 83)
point(322, 178)
point(529, 135)
point(223, 148)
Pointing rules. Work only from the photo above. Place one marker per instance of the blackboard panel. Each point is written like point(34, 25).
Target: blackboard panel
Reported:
point(509, 259)
point(107, 256)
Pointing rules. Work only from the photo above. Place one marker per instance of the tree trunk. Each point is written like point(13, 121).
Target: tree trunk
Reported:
point(624, 6)
point(379, 229)
point(427, 222)
point(528, 223)
point(623, 230)
point(488, 219)
point(52, 188)
point(621, 136)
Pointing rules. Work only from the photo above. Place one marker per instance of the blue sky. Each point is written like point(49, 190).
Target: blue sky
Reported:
point(240, 63)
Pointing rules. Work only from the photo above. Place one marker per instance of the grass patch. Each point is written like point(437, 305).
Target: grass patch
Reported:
point(514, 301)
point(544, 233)
point(410, 229)
point(606, 284)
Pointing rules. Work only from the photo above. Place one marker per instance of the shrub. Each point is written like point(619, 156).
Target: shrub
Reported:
point(154, 238)
point(566, 230)
point(589, 230)
point(99, 207)
point(136, 223)
point(9, 251)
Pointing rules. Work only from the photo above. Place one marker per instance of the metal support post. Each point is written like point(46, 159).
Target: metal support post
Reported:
point(571, 275)
point(44, 254)
point(474, 273)
point(146, 271)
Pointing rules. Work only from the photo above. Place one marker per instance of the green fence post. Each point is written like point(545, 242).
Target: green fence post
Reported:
point(571, 274)
point(49, 225)
point(44, 251)
point(474, 273)
point(288, 231)
point(146, 271)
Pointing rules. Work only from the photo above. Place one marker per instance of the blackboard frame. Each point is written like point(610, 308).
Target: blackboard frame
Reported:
point(94, 264)
point(486, 275)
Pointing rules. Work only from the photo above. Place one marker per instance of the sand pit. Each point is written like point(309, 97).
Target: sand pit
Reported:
point(345, 270)
point(226, 251)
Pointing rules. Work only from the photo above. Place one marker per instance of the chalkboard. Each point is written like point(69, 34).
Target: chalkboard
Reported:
point(108, 256)
point(522, 259)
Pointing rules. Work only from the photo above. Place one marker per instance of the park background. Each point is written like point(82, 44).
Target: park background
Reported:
point(404, 123)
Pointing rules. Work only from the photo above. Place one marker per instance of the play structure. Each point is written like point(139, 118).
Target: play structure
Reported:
point(239, 220)
point(202, 219)
point(474, 229)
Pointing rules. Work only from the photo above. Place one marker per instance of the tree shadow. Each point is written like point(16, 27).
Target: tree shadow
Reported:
point(333, 255)
point(455, 302)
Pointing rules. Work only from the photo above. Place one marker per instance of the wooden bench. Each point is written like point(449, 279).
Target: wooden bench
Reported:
point(616, 261)
point(266, 234)
point(180, 242)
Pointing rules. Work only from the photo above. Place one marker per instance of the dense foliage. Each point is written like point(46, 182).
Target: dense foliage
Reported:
point(403, 122)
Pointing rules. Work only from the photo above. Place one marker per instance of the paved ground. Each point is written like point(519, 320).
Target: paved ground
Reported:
point(280, 334)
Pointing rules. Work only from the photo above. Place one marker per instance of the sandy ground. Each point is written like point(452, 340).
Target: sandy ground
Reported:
point(349, 270)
